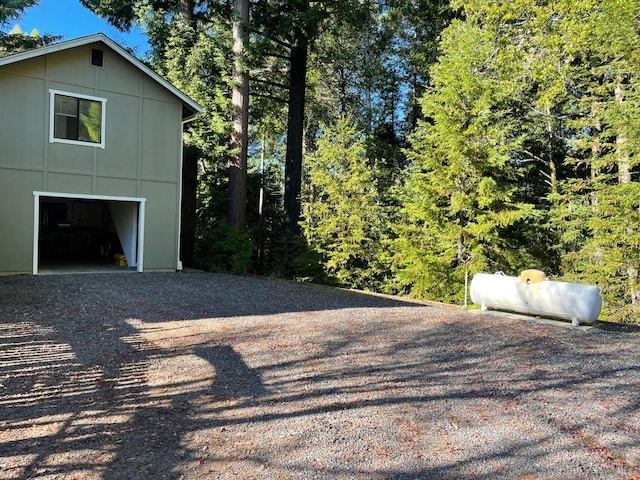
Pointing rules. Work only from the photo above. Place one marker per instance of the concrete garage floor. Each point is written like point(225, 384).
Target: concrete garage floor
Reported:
point(64, 268)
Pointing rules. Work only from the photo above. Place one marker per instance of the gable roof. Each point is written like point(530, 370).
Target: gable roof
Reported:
point(190, 107)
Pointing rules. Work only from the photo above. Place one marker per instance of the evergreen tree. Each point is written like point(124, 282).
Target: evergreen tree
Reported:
point(342, 212)
point(601, 209)
point(236, 210)
point(461, 196)
point(12, 9)
point(16, 40)
point(191, 46)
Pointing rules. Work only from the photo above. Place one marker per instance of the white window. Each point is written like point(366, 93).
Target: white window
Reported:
point(77, 119)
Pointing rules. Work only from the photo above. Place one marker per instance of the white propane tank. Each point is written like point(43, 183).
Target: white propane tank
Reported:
point(568, 301)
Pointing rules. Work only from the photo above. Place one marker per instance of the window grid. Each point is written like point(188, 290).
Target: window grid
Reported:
point(77, 119)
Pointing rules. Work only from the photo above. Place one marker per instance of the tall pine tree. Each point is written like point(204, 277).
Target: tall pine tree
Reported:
point(342, 214)
point(461, 198)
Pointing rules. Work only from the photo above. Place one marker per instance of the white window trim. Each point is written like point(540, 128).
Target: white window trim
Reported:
point(52, 139)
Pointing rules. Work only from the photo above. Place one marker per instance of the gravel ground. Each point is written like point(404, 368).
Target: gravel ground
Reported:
point(206, 376)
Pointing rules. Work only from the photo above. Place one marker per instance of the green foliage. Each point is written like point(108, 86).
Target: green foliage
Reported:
point(598, 207)
point(119, 13)
point(612, 251)
point(221, 248)
point(343, 218)
point(13, 9)
point(197, 60)
point(196, 57)
point(460, 198)
point(90, 128)
point(264, 217)
point(300, 262)
point(526, 154)
point(16, 40)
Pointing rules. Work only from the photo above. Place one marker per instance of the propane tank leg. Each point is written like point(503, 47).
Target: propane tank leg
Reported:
point(575, 322)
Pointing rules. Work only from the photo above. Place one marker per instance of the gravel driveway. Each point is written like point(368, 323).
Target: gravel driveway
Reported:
point(207, 376)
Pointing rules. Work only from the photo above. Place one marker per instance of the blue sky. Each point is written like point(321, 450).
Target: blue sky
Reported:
point(72, 20)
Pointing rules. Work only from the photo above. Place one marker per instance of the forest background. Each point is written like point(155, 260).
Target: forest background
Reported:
point(400, 146)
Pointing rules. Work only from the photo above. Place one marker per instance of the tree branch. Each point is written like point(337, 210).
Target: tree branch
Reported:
point(277, 55)
point(269, 97)
point(277, 41)
point(270, 82)
point(533, 156)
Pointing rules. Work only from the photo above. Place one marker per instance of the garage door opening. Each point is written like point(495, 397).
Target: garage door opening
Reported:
point(87, 233)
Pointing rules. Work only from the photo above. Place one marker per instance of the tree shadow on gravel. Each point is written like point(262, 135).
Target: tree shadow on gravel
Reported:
point(95, 384)
point(65, 411)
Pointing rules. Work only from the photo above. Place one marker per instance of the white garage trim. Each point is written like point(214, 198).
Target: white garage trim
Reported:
point(36, 219)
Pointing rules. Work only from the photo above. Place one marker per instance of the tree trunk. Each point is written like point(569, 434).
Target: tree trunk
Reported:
point(553, 174)
point(596, 152)
point(622, 154)
point(236, 210)
point(295, 135)
point(624, 177)
point(185, 11)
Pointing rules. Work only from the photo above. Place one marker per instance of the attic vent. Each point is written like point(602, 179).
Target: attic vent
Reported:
point(96, 57)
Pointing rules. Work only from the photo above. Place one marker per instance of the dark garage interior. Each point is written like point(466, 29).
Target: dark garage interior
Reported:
point(77, 232)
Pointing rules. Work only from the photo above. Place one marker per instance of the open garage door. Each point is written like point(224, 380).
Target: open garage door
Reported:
point(87, 233)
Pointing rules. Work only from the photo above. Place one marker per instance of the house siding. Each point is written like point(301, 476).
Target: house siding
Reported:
point(141, 158)
point(16, 217)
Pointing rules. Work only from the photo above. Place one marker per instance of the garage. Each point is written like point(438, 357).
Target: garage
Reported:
point(91, 161)
point(87, 233)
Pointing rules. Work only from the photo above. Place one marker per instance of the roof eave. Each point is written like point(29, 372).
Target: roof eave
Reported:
point(101, 37)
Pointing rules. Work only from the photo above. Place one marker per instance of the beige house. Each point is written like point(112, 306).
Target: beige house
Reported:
point(90, 159)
